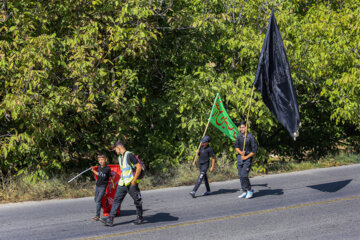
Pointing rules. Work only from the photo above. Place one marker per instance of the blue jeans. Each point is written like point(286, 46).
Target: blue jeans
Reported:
point(99, 193)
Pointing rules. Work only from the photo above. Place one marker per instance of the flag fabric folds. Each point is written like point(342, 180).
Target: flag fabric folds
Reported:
point(221, 120)
point(273, 80)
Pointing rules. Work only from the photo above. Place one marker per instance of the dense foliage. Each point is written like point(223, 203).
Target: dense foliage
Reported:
point(78, 74)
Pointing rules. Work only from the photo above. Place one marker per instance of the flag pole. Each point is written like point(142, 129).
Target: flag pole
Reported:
point(247, 117)
point(207, 125)
point(195, 158)
point(79, 174)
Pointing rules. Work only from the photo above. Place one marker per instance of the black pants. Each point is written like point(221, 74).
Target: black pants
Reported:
point(99, 193)
point(244, 168)
point(203, 170)
point(120, 194)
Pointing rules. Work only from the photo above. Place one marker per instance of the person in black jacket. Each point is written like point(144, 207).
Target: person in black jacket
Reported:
point(244, 159)
point(205, 153)
point(103, 175)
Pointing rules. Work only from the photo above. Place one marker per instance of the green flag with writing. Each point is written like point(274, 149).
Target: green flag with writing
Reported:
point(221, 120)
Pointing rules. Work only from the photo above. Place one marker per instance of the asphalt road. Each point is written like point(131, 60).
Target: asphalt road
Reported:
point(314, 204)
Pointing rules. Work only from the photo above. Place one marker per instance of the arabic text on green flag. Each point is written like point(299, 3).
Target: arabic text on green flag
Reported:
point(221, 120)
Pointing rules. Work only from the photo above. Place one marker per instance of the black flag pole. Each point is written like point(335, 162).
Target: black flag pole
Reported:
point(273, 80)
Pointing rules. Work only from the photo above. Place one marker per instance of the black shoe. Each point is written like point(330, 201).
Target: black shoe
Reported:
point(192, 193)
point(109, 222)
point(103, 220)
point(207, 193)
point(139, 220)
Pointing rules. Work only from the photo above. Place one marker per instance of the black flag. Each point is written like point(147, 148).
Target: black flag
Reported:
point(273, 80)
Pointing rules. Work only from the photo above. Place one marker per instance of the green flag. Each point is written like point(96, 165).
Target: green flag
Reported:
point(221, 120)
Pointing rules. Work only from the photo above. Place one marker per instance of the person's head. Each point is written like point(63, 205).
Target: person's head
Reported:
point(119, 147)
point(102, 159)
point(243, 127)
point(205, 141)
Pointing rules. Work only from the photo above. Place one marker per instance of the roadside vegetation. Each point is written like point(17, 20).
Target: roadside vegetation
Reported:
point(77, 75)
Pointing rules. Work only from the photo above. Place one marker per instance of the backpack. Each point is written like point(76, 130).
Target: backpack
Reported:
point(143, 168)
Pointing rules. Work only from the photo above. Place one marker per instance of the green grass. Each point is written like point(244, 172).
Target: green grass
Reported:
point(21, 189)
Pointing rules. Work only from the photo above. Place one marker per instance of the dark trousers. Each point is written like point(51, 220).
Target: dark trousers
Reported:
point(244, 168)
point(120, 194)
point(99, 193)
point(203, 170)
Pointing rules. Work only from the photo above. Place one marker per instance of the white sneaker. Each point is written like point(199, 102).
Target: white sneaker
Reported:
point(250, 194)
point(243, 195)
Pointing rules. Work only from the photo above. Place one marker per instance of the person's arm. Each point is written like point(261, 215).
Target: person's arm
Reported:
point(238, 151)
point(237, 146)
point(247, 156)
point(94, 171)
point(137, 174)
point(136, 164)
point(212, 164)
point(253, 149)
point(112, 181)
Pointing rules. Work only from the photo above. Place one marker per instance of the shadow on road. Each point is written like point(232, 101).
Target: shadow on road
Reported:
point(160, 217)
point(332, 186)
point(266, 192)
point(260, 185)
point(124, 213)
point(220, 191)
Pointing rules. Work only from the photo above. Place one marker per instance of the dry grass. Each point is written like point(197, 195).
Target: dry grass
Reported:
point(288, 165)
point(21, 189)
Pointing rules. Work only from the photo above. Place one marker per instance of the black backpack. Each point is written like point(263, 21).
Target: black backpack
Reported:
point(143, 168)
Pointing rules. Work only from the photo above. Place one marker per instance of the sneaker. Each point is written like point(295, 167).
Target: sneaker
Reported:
point(95, 218)
point(109, 222)
point(207, 193)
point(250, 194)
point(139, 220)
point(192, 193)
point(243, 195)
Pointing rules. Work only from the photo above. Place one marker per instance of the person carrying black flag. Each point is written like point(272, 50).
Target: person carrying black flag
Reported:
point(246, 148)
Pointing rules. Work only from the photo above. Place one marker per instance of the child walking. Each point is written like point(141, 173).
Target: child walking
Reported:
point(103, 175)
point(205, 153)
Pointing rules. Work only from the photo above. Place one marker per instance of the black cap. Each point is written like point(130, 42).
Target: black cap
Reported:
point(205, 139)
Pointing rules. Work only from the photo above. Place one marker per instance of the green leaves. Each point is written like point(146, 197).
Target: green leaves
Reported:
point(78, 75)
